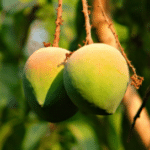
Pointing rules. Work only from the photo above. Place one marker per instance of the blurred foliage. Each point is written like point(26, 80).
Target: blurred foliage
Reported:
point(20, 128)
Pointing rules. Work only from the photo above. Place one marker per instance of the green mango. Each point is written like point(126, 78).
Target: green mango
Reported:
point(96, 77)
point(43, 85)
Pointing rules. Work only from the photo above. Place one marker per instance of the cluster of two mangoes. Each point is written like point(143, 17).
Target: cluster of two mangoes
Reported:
point(94, 79)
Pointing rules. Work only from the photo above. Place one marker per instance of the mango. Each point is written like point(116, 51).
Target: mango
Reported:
point(96, 77)
point(43, 85)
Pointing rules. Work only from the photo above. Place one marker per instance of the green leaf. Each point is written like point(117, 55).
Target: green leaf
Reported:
point(33, 135)
point(84, 135)
point(14, 6)
point(122, 31)
point(5, 131)
point(15, 139)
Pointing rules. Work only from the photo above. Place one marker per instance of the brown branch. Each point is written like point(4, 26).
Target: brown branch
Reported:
point(100, 24)
point(131, 100)
point(58, 23)
point(87, 23)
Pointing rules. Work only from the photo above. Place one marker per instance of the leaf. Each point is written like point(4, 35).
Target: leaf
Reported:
point(84, 135)
point(33, 135)
point(122, 31)
point(5, 131)
point(15, 6)
point(15, 139)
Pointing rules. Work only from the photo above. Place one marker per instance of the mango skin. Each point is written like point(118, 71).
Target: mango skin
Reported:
point(43, 85)
point(96, 77)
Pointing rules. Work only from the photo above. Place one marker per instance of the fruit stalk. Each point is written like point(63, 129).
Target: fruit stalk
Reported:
point(58, 23)
point(87, 23)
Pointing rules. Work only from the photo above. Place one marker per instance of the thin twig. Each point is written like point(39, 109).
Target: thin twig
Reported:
point(145, 99)
point(132, 101)
point(58, 23)
point(87, 23)
point(136, 80)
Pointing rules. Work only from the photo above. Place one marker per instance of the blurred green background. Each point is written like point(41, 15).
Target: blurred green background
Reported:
point(24, 26)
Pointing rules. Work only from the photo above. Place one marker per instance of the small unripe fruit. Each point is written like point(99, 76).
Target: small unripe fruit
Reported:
point(43, 85)
point(96, 78)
